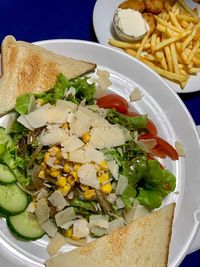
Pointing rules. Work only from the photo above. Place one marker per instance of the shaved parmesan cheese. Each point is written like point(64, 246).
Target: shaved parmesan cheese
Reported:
point(37, 118)
point(147, 144)
point(136, 95)
point(66, 105)
point(65, 216)
point(79, 127)
point(22, 119)
point(57, 200)
point(52, 136)
point(120, 203)
point(113, 168)
point(106, 137)
point(80, 228)
point(42, 211)
point(121, 185)
point(70, 91)
point(31, 207)
point(92, 154)
point(88, 175)
point(78, 156)
point(71, 143)
point(115, 224)
point(49, 227)
point(55, 244)
point(42, 194)
point(67, 225)
point(98, 220)
point(180, 149)
point(112, 197)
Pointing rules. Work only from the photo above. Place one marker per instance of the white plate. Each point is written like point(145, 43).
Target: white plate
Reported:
point(102, 21)
point(174, 123)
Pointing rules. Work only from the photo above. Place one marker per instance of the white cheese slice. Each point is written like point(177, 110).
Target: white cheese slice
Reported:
point(52, 136)
point(55, 244)
point(88, 175)
point(180, 149)
point(22, 119)
point(121, 185)
point(37, 118)
point(42, 210)
point(106, 137)
point(113, 168)
point(65, 216)
point(98, 220)
point(57, 200)
point(78, 156)
point(92, 154)
point(71, 143)
point(49, 227)
point(136, 95)
point(80, 228)
point(79, 126)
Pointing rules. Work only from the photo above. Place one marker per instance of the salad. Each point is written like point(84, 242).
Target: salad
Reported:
point(78, 166)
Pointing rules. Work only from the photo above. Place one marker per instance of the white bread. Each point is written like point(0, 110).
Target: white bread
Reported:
point(143, 243)
point(30, 68)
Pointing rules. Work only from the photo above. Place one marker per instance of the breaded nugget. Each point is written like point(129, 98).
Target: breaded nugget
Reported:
point(154, 6)
point(133, 4)
point(151, 22)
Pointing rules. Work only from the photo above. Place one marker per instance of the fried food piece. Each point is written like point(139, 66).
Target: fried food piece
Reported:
point(155, 6)
point(133, 4)
point(151, 22)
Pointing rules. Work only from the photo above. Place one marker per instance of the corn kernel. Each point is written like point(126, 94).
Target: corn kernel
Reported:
point(89, 193)
point(59, 155)
point(104, 165)
point(53, 150)
point(46, 156)
point(61, 181)
point(76, 167)
point(75, 238)
point(41, 174)
point(65, 190)
point(54, 172)
point(107, 188)
point(40, 101)
point(66, 168)
point(68, 233)
point(75, 175)
point(71, 180)
point(86, 137)
point(104, 177)
point(43, 165)
point(65, 125)
point(84, 187)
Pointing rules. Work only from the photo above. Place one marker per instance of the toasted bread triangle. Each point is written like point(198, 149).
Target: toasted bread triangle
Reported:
point(143, 243)
point(29, 68)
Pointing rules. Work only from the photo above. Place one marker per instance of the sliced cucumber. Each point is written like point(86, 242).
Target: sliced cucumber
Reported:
point(6, 175)
point(25, 226)
point(4, 137)
point(13, 200)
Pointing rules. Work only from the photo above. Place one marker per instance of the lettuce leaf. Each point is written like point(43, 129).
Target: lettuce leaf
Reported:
point(22, 103)
point(128, 195)
point(151, 199)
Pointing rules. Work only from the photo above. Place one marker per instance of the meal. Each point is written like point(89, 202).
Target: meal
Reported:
point(171, 47)
point(76, 162)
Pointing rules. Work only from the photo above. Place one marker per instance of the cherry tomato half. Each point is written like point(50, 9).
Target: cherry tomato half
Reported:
point(113, 101)
point(162, 146)
point(150, 125)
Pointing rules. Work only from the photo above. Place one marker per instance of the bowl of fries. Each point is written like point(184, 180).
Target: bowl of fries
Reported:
point(172, 49)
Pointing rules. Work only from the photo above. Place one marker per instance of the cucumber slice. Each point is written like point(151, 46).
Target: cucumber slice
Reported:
point(25, 226)
point(13, 200)
point(4, 137)
point(6, 175)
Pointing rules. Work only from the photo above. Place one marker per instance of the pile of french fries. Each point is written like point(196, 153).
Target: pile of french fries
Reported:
point(173, 50)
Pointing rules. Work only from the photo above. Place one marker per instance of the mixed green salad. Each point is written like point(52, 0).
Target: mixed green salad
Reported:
point(78, 166)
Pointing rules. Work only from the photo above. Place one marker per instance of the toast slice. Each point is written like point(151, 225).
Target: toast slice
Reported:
point(29, 68)
point(143, 243)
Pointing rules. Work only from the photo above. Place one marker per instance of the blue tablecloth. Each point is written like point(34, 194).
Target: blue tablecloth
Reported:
point(39, 20)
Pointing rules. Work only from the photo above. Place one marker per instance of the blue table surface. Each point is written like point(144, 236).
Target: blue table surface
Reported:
point(40, 20)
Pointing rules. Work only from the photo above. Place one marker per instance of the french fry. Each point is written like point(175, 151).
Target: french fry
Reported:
point(183, 84)
point(174, 21)
point(195, 10)
point(168, 58)
point(188, 40)
point(193, 52)
point(166, 24)
point(184, 24)
point(167, 6)
point(121, 44)
point(187, 8)
point(140, 49)
point(153, 42)
point(149, 57)
point(171, 40)
point(196, 62)
point(188, 19)
point(174, 58)
point(194, 70)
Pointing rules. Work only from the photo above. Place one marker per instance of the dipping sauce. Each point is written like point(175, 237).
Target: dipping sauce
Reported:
point(130, 22)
